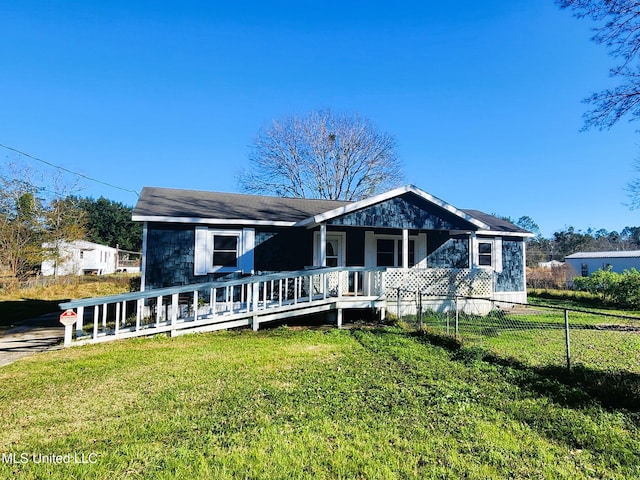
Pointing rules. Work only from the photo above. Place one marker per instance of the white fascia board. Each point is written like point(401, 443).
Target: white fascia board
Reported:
point(367, 202)
point(210, 221)
point(499, 233)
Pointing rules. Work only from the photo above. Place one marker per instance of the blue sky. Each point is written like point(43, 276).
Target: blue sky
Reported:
point(483, 98)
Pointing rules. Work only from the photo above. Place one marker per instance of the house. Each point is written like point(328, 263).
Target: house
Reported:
point(585, 263)
point(79, 258)
point(551, 264)
point(198, 236)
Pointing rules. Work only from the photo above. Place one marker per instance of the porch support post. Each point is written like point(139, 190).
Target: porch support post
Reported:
point(405, 248)
point(473, 249)
point(323, 244)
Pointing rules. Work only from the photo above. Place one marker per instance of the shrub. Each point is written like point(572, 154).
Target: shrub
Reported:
point(601, 282)
point(618, 289)
point(626, 293)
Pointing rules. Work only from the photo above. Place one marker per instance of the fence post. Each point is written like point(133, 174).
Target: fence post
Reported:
point(399, 313)
point(419, 302)
point(457, 315)
point(568, 343)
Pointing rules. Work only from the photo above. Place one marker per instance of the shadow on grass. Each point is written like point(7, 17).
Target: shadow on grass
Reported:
point(14, 311)
point(577, 387)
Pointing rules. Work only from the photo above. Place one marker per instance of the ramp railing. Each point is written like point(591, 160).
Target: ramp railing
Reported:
point(218, 305)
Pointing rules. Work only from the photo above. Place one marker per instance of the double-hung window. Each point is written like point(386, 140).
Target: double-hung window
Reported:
point(386, 252)
point(223, 251)
point(389, 252)
point(488, 253)
point(485, 254)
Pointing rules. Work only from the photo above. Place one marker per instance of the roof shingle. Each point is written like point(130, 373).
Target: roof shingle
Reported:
point(178, 203)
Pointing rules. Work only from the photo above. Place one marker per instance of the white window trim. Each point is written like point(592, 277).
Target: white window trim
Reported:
point(496, 253)
point(371, 248)
point(397, 245)
point(203, 252)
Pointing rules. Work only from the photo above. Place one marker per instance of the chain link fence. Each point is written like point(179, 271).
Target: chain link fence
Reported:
point(536, 335)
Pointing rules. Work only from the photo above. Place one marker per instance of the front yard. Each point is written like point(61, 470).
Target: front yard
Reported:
point(289, 403)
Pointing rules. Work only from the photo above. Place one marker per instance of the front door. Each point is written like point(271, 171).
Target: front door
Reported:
point(335, 250)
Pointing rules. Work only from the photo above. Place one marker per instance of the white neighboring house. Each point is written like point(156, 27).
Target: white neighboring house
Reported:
point(551, 264)
point(585, 263)
point(81, 258)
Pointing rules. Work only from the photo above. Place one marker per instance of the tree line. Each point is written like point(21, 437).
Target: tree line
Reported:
point(565, 242)
point(568, 241)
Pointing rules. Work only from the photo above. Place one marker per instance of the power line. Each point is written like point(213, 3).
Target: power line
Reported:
point(69, 171)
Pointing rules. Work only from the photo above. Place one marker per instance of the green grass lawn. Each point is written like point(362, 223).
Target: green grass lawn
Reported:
point(537, 336)
point(290, 403)
point(574, 299)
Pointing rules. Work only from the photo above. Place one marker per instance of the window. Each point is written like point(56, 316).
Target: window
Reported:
point(386, 253)
point(485, 254)
point(225, 250)
point(585, 270)
point(389, 252)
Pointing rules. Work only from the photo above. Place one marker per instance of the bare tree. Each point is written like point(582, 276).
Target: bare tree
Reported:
point(618, 28)
point(322, 155)
point(20, 223)
point(31, 216)
point(64, 221)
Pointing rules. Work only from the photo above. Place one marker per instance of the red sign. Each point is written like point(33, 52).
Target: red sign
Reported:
point(68, 317)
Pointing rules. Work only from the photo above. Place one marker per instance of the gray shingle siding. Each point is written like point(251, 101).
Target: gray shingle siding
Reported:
point(445, 251)
point(169, 256)
point(402, 212)
point(511, 279)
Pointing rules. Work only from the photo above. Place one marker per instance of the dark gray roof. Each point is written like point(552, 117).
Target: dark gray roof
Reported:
point(171, 203)
point(178, 203)
point(495, 223)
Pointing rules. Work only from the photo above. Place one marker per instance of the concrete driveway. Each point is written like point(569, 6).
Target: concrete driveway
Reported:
point(30, 336)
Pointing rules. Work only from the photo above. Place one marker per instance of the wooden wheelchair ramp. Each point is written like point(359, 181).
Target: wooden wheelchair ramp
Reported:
point(204, 307)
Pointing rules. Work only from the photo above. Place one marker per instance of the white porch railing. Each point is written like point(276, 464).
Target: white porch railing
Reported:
point(223, 304)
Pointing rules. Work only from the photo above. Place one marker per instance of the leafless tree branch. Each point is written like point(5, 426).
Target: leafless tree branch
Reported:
point(322, 155)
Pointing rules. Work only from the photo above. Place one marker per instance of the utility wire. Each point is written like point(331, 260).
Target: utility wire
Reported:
point(69, 171)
